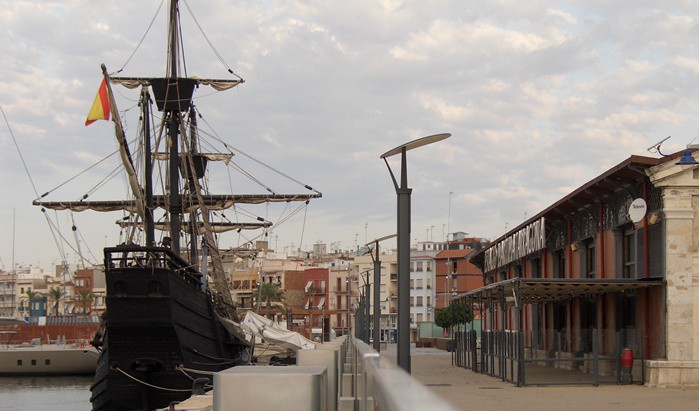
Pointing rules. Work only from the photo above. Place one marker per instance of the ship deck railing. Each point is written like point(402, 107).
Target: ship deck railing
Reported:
point(136, 256)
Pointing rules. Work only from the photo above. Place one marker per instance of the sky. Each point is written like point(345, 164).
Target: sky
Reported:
point(539, 96)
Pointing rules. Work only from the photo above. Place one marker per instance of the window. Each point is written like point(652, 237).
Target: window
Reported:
point(19, 363)
point(518, 271)
point(419, 318)
point(33, 362)
point(428, 265)
point(412, 284)
point(419, 301)
point(536, 268)
point(47, 362)
point(419, 283)
point(559, 264)
point(429, 303)
point(419, 266)
point(590, 259)
point(455, 282)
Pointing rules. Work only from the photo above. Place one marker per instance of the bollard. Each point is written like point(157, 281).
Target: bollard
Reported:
point(626, 365)
point(199, 386)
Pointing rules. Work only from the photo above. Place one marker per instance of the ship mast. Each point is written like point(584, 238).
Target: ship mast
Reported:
point(173, 116)
point(148, 183)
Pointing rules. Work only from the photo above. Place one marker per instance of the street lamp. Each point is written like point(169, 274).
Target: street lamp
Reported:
point(366, 307)
point(377, 289)
point(403, 193)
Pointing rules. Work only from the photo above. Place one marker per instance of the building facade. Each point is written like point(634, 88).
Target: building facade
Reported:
point(608, 267)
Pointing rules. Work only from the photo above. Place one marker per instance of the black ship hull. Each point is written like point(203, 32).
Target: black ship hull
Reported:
point(161, 324)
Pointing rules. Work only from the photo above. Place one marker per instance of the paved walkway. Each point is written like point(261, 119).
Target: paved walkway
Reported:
point(471, 391)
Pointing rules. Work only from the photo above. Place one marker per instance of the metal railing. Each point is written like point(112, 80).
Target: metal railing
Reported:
point(373, 382)
point(584, 357)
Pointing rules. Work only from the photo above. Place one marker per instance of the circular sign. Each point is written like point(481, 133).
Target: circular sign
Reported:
point(637, 210)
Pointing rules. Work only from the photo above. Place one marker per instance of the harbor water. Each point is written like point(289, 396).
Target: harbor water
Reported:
point(45, 393)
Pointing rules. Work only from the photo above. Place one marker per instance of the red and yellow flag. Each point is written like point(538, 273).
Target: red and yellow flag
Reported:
point(100, 108)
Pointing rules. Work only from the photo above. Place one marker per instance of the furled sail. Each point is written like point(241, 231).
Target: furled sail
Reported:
point(225, 157)
point(210, 201)
point(216, 227)
point(139, 202)
point(216, 84)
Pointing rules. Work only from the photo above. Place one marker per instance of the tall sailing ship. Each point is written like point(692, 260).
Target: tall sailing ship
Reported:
point(169, 320)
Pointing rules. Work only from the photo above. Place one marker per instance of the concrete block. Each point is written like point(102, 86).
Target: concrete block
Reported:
point(346, 404)
point(347, 385)
point(324, 358)
point(271, 388)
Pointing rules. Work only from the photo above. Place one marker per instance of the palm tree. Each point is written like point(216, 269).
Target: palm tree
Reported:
point(269, 293)
point(56, 295)
point(84, 296)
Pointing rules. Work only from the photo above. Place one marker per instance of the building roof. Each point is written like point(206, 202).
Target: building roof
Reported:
point(462, 253)
point(540, 290)
point(616, 177)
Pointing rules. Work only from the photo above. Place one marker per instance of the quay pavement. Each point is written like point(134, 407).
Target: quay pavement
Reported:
point(467, 390)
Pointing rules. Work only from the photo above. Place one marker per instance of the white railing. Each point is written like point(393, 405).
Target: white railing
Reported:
point(373, 382)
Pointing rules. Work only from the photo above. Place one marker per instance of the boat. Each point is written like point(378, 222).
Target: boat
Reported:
point(36, 358)
point(48, 359)
point(169, 320)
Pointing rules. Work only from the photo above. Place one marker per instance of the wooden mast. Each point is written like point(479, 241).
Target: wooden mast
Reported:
point(175, 201)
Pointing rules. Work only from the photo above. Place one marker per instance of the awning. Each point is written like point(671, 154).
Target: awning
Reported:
point(542, 290)
point(308, 285)
point(321, 303)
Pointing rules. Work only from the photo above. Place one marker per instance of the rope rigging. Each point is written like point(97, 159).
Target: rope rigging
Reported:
point(31, 180)
point(218, 55)
point(230, 149)
point(142, 37)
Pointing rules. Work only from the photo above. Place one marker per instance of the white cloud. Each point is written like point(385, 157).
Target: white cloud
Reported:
point(567, 17)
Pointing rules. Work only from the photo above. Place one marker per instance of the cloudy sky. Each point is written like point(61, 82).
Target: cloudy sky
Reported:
point(539, 96)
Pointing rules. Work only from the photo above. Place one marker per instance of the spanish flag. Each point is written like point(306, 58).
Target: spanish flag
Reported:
point(100, 108)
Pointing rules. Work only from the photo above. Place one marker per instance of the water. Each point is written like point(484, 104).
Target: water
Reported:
point(45, 393)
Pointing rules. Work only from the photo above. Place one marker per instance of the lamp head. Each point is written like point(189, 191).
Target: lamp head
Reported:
point(687, 159)
point(415, 144)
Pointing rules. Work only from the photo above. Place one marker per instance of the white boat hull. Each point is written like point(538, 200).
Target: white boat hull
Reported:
point(48, 360)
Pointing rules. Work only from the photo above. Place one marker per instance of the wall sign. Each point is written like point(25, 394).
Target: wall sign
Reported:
point(520, 244)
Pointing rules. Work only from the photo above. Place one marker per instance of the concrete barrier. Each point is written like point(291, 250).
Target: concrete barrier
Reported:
point(271, 388)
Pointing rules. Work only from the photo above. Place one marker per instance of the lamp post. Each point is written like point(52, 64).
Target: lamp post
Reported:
point(403, 194)
point(377, 290)
point(366, 308)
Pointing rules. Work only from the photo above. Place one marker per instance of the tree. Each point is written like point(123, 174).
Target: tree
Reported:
point(269, 293)
point(443, 318)
point(455, 314)
point(56, 295)
point(84, 296)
